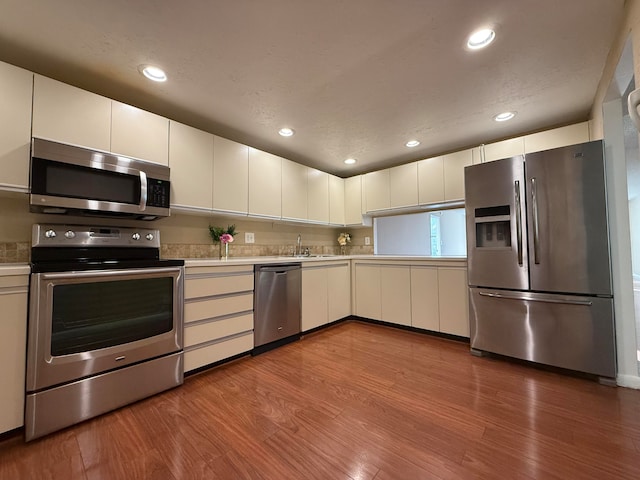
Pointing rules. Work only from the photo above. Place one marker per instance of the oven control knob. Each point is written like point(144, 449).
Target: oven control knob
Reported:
point(50, 234)
point(70, 234)
point(136, 236)
point(149, 236)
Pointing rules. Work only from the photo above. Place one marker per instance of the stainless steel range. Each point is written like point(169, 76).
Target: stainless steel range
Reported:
point(105, 323)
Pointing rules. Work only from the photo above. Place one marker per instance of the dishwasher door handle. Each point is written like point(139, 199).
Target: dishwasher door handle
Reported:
point(280, 269)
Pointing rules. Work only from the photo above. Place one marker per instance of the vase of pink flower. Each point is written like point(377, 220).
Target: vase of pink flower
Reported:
point(224, 237)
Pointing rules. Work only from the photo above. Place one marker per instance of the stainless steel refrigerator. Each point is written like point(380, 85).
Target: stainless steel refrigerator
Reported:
point(538, 259)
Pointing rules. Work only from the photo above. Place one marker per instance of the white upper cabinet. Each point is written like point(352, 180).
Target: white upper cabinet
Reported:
point(16, 86)
point(70, 115)
point(294, 190)
point(336, 200)
point(376, 190)
point(191, 163)
point(318, 196)
point(403, 185)
point(454, 164)
point(353, 205)
point(504, 149)
point(558, 137)
point(431, 180)
point(230, 176)
point(139, 134)
point(265, 184)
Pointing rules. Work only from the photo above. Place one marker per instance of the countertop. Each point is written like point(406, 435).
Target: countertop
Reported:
point(7, 269)
point(209, 262)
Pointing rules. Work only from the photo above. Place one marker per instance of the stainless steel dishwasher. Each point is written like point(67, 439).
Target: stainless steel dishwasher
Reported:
point(277, 305)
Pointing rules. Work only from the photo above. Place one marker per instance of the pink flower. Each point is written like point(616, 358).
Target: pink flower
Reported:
point(226, 238)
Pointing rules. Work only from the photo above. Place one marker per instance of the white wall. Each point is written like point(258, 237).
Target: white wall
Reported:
point(453, 233)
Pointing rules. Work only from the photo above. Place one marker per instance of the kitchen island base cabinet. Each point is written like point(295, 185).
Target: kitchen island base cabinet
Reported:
point(326, 293)
point(13, 341)
point(218, 314)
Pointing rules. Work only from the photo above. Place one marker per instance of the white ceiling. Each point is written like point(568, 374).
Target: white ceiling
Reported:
point(354, 78)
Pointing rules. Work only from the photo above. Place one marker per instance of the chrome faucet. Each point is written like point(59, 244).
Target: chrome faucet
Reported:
point(299, 245)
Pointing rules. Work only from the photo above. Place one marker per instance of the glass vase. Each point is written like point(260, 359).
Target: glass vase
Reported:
point(224, 251)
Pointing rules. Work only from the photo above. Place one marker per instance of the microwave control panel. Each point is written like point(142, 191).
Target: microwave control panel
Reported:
point(158, 193)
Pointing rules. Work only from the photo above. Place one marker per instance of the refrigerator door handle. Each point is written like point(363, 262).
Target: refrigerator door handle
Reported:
point(585, 303)
point(536, 223)
point(518, 222)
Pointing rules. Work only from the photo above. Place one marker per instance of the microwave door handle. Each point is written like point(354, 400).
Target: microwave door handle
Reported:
point(143, 191)
point(536, 222)
point(518, 221)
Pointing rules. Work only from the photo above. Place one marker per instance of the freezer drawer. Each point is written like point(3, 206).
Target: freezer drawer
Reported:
point(573, 332)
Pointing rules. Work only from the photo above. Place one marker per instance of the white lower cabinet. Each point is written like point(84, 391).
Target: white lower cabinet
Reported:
point(395, 294)
point(218, 314)
point(13, 341)
point(425, 312)
point(453, 299)
point(326, 293)
point(427, 296)
point(367, 291)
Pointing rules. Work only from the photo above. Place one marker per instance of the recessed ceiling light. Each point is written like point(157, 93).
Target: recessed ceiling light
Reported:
point(412, 143)
point(350, 161)
point(480, 38)
point(286, 132)
point(504, 116)
point(153, 73)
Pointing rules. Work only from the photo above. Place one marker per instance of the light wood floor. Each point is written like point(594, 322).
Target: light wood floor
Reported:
point(355, 401)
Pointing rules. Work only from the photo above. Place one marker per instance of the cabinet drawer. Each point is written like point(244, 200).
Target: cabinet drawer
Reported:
point(207, 354)
point(215, 329)
point(217, 307)
point(207, 287)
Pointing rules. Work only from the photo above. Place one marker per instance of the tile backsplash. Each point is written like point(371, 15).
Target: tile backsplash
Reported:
point(254, 250)
point(14, 252)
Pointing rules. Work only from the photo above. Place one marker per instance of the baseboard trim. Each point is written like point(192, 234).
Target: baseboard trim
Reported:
point(629, 381)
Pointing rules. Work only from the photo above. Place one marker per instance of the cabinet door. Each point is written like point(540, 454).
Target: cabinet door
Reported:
point(368, 291)
point(314, 297)
point(70, 115)
point(395, 294)
point(425, 311)
point(453, 299)
point(403, 185)
point(431, 180)
point(454, 164)
point(376, 190)
point(504, 149)
point(139, 134)
point(16, 86)
point(230, 176)
point(265, 184)
point(318, 196)
point(353, 207)
point(13, 340)
point(336, 200)
point(339, 291)
point(191, 162)
point(558, 137)
point(294, 190)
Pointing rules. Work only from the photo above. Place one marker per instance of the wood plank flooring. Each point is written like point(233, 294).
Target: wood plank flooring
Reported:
point(355, 401)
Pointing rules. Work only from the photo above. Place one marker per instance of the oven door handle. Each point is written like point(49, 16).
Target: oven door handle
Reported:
point(143, 191)
point(110, 273)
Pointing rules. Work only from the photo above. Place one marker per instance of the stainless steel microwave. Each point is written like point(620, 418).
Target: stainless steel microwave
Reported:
point(75, 180)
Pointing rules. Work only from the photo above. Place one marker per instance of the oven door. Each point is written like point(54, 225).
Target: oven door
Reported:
point(83, 323)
